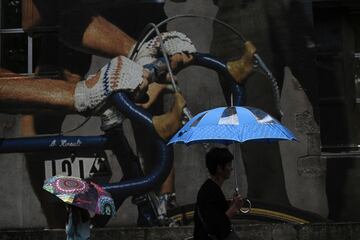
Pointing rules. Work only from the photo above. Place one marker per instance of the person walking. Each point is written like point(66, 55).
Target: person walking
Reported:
point(213, 213)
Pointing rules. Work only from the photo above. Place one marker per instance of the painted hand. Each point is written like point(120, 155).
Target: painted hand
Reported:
point(241, 69)
point(119, 74)
point(174, 43)
point(169, 123)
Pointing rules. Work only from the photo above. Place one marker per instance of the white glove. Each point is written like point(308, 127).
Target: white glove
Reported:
point(120, 74)
point(174, 42)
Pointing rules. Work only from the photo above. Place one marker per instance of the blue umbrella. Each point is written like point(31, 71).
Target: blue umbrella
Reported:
point(232, 124)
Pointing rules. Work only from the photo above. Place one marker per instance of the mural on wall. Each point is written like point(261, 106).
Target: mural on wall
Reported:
point(72, 44)
point(70, 29)
point(65, 35)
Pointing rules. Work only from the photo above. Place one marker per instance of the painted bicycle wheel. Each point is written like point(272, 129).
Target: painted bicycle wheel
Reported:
point(260, 212)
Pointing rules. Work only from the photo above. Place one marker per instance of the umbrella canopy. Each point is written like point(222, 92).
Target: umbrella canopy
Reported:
point(81, 193)
point(232, 124)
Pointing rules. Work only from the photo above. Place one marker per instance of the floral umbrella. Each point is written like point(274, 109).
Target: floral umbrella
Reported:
point(81, 193)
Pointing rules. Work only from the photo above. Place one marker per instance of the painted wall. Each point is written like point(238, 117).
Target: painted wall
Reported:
point(304, 172)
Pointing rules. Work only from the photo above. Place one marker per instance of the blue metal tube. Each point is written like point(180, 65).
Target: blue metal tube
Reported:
point(164, 152)
point(52, 143)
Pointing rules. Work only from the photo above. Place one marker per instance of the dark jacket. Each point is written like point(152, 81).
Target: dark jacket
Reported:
point(212, 205)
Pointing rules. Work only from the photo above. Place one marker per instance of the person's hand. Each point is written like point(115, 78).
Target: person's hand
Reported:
point(235, 206)
point(241, 69)
point(249, 51)
point(237, 202)
point(119, 74)
point(178, 47)
point(168, 124)
point(180, 60)
point(154, 91)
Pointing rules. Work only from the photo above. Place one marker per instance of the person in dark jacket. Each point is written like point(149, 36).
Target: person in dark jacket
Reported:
point(213, 213)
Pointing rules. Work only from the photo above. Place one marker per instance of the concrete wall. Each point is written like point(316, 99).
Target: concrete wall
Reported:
point(338, 231)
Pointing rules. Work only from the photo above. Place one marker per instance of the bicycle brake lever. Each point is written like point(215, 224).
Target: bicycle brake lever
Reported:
point(187, 112)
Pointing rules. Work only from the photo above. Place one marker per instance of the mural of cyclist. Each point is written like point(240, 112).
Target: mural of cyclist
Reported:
point(121, 74)
point(83, 29)
point(87, 41)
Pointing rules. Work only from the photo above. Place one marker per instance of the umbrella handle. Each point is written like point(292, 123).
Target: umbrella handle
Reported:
point(248, 209)
point(243, 209)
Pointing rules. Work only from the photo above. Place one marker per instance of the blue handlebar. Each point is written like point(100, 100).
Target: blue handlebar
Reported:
point(164, 153)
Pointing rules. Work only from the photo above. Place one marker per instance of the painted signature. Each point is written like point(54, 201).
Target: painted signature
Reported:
point(65, 143)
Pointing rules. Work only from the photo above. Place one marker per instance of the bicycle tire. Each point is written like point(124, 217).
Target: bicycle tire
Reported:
point(261, 212)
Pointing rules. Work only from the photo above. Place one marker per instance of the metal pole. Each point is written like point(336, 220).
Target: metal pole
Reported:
point(235, 169)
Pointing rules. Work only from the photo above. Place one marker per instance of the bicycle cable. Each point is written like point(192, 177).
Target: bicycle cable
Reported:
point(75, 128)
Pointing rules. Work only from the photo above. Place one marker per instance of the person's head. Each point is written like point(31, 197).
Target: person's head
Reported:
point(218, 162)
